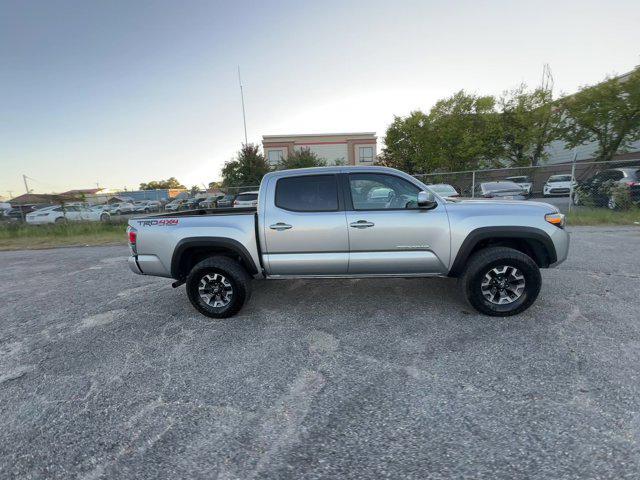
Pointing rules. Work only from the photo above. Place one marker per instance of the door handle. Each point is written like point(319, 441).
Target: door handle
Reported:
point(361, 224)
point(280, 226)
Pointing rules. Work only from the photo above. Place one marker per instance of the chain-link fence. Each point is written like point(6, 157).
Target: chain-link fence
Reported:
point(614, 185)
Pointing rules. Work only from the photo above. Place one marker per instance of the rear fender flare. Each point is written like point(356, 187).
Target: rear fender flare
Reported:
point(227, 244)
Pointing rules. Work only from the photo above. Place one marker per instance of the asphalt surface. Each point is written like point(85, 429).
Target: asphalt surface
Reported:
point(105, 374)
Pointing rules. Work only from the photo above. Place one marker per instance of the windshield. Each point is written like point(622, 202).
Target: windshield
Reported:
point(559, 178)
point(518, 179)
point(501, 187)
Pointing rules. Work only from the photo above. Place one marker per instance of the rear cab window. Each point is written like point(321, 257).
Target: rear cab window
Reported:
point(307, 193)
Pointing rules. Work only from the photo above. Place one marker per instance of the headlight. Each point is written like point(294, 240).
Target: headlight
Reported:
point(556, 219)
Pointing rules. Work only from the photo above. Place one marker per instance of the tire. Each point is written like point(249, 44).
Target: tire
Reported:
point(104, 217)
point(482, 264)
point(61, 220)
point(231, 271)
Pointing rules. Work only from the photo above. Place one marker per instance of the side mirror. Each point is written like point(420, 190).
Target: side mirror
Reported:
point(426, 200)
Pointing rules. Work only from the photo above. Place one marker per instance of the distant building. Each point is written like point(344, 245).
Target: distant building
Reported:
point(334, 148)
point(36, 199)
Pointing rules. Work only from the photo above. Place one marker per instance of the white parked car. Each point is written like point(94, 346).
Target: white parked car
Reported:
point(246, 199)
point(60, 214)
point(103, 212)
point(558, 185)
point(444, 190)
point(121, 208)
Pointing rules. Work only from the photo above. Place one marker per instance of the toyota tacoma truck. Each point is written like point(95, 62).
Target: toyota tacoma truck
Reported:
point(353, 222)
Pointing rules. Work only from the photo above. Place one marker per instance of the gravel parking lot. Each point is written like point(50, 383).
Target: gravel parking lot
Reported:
point(104, 374)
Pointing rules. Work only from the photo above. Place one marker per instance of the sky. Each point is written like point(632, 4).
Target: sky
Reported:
point(121, 92)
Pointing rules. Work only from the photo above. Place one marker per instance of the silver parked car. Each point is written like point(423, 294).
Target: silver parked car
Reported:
point(500, 190)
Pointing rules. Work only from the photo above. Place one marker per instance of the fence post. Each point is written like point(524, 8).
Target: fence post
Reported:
point(473, 184)
point(573, 178)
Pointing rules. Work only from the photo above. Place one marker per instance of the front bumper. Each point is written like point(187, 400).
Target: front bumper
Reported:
point(560, 238)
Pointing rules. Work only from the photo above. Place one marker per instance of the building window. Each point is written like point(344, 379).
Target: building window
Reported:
point(366, 154)
point(275, 157)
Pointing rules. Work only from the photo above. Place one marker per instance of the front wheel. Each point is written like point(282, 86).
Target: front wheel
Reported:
point(501, 281)
point(218, 287)
point(104, 217)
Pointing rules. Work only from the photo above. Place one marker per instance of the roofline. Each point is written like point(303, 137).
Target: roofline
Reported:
point(306, 135)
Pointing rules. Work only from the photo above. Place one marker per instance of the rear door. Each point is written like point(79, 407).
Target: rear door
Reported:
point(305, 227)
point(393, 237)
point(72, 213)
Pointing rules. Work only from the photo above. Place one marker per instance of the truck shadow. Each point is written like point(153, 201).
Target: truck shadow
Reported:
point(362, 297)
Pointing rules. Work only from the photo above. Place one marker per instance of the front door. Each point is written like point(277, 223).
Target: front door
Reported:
point(388, 233)
point(305, 228)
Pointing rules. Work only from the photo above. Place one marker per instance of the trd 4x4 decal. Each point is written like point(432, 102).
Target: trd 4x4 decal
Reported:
point(162, 223)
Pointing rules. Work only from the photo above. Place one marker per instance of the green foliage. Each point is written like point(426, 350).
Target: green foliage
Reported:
point(603, 216)
point(621, 196)
point(529, 123)
point(303, 158)
point(607, 113)
point(170, 182)
point(246, 169)
point(14, 236)
point(460, 132)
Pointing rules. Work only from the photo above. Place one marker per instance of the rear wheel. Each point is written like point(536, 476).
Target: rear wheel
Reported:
point(501, 281)
point(104, 217)
point(61, 220)
point(218, 287)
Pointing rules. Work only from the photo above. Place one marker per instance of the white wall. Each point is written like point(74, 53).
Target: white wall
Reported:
point(330, 152)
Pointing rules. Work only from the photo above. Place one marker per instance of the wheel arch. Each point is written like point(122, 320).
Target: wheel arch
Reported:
point(531, 241)
point(190, 251)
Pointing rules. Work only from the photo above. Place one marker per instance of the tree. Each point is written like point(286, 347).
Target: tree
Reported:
point(246, 169)
point(529, 123)
point(407, 144)
point(461, 132)
point(607, 113)
point(466, 131)
point(214, 185)
point(171, 182)
point(303, 158)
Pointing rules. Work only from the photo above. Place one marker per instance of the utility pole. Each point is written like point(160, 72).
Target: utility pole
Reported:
point(244, 118)
point(24, 179)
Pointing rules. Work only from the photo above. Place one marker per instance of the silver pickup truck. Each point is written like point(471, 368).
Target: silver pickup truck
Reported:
point(353, 222)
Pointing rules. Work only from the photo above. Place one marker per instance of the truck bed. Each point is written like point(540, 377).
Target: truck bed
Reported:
point(207, 211)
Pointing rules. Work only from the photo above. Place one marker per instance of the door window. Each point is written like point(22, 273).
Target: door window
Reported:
point(375, 191)
point(309, 193)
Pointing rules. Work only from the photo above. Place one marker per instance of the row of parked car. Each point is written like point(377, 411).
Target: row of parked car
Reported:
point(42, 214)
point(516, 188)
point(597, 190)
point(245, 199)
